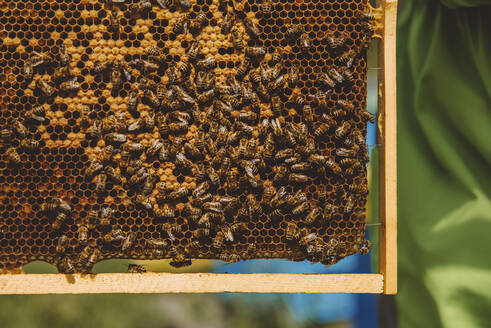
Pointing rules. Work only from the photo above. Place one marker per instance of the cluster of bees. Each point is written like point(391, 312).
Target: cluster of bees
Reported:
point(247, 161)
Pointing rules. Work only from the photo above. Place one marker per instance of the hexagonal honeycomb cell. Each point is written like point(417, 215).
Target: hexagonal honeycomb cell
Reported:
point(182, 129)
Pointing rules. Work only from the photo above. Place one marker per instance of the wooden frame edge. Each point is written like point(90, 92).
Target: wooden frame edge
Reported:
point(125, 283)
point(388, 149)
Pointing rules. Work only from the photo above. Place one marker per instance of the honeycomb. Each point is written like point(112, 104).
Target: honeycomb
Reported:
point(181, 130)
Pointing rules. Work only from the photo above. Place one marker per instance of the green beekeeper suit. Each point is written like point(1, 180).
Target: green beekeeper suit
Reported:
point(444, 163)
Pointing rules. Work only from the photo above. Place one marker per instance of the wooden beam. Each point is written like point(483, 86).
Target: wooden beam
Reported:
point(189, 283)
point(388, 150)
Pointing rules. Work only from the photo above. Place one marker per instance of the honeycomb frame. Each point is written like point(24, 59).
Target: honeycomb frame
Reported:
point(57, 156)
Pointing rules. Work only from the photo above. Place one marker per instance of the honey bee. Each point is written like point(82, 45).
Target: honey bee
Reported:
point(313, 215)
point(251, 28)
point(28, 71)
point(293, 32)
point(332, 166)
point(367, 28)
point(144, 66)
point(36, 114)
point(180, 260)
point(201, 233)
point(170, 230)
point(141, 8)
point(196, 24)
point(193, 51)
point(350, 203)
point(82, 234)
point(45, 88)
point(62, 244)
point(305, 42)
point(347, 58)
point(114, 25)
point(367, 116)
point(365, 247)
point(277, 84)
point(232, 181)
point(13, 156)
point(193, 213)
point(336, 75)
point(60, 74)
point(30, 145)
point(267, 6)
point(334, 42)
point(114, 236)
point(206, 64)
point(343, 152)
point(69, 86)
point(93, 258)
point(157, 243)
point(66, 266)
point(100, 184)
point(184, 4)
point(106, 216)
point(342, 130)
point(243, 69)
point(297, 178)
point(178, 194)
point(180, 26)
point(164, 4)
point(143, 201)
point(326, 81)
point(38, 59)
point(255, 52)
point(218, 240)
point(291, 231)
point(254, 207)
point(60, 219)
point(166, 212)
point(136, 268)
point(227, 22)
point(215, 207)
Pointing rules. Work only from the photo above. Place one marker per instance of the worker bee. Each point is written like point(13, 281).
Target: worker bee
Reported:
point(36, 114)
point(243, 69)
point(227, 23)
point(62, 244)
point(38, 59)
point(367, 28)
point(141, 8)
point(82, 234)
point(28, 71)
point(93, 258)
point(66, 266)
point(59, 220)
point(367, 116)
point(206, 64)
point(180, 26)
point(334, 42)
point(254, 207)
point(322, 130)
point(297, 178)
point(6, 135)
point(305, 42)
point(114, 25)
point(13, 156)
point(348, 75)
point(326, 81)
point(232, 181)
point(171, 230)
point(100, 183)
point(164, 4)
point(197, 23)
point(69, 86)
point(144, 66)
point(332, 166)
point(343, 152)
point(293, 74)
point(95, 131)
point(336, 75)
point(215, 207)
point(255, 52)
point(45, 88)
point(293, 32)
point(251, 28)
point(307, 239)
point(180, 260)
point(291, 231)
point(143, 201)
point(346, 105)
point(365, 247)
point(157, 243)
point(136, 268)
point(114, 236)
point(218, 240)
point(267, 6)
point(60, 74)
point(277, 84)
point(29, 145)
point(347, 58)
point(101, 67)
point(65, 58)
point(134, 148)
point(308, 114)
point(113, 174)
point(193, 213)
point(313, 215)
point(178, 194)
point(183, 4)
point(193, 51)
point(342, 130)
point(201, 233)
point(166, 212)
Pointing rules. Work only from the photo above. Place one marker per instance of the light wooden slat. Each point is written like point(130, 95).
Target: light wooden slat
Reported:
point(189, 283)
point(388, 150)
